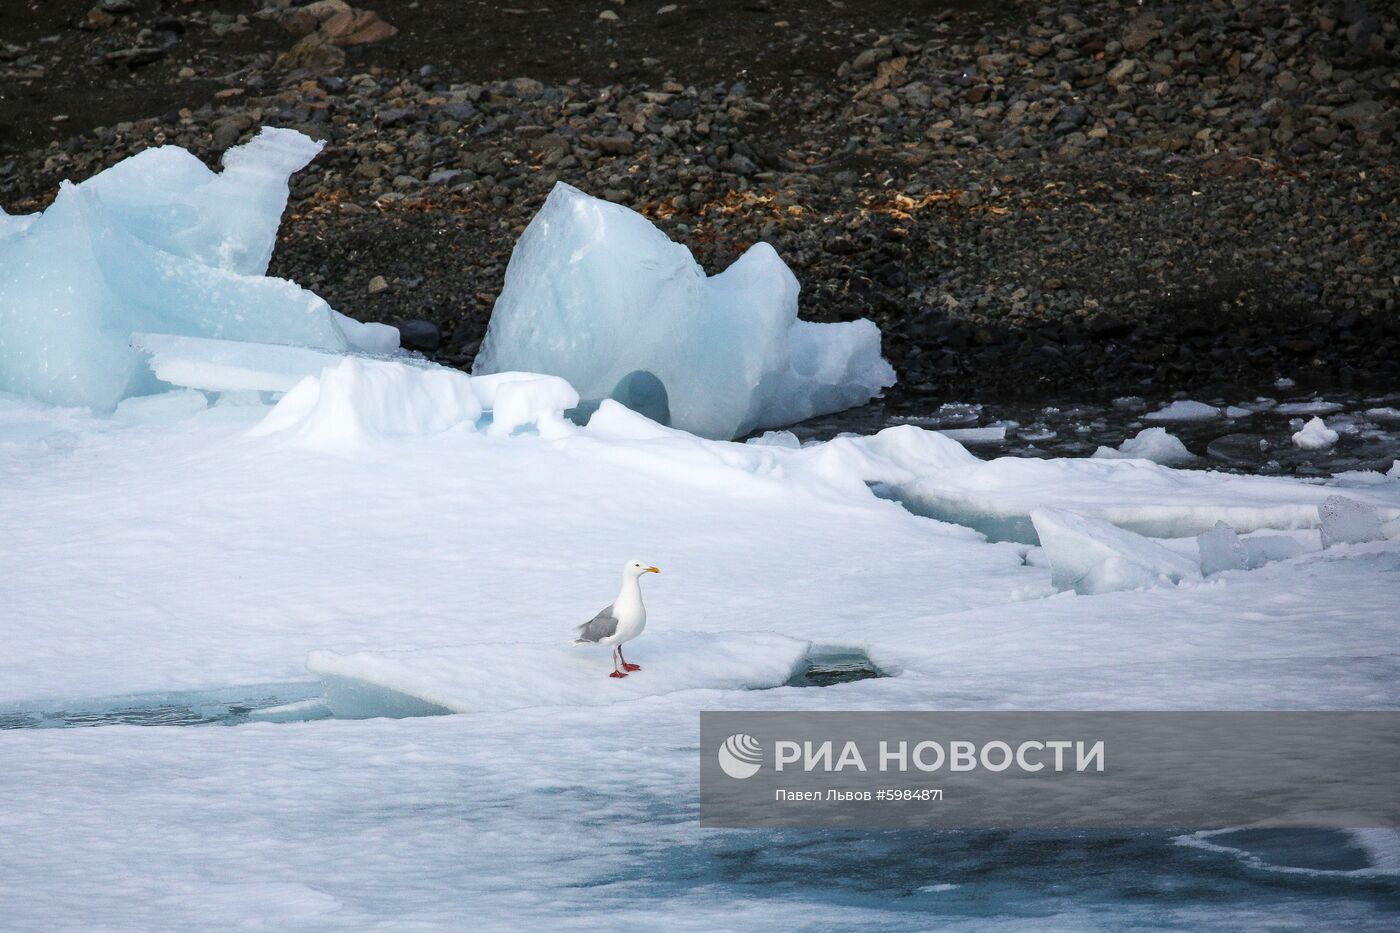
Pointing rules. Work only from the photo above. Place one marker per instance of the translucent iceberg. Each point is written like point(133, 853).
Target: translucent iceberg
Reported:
point(1091, 556)
point(1346, 521)
point(156, 244)
point(598, 295)
point(1221, 549)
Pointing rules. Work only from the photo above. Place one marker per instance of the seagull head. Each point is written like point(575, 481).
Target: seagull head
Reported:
point(636, 568)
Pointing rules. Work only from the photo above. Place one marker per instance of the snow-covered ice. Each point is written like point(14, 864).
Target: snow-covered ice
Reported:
point(174, 550)
point(1090, 556)
point(356, 401)
point(391, 538)
point(596, 294)
point(996, 497)
point(156, 244)
point(463, 678)
point(1153, 444)
point(1315, 435)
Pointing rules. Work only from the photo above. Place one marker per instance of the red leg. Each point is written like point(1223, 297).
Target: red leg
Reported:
point(616, 672)
point(625, 665)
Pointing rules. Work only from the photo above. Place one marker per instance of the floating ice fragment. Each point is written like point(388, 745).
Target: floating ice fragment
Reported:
point(1315, 435)
point(1346, 521)
point(991, 434)
point(1183, 411)
point(157, 244)
point(1091, 556)
point(1153, 444)
point(598, 295)
point(1313, 407)
point(1034, 433)
point(776, 439)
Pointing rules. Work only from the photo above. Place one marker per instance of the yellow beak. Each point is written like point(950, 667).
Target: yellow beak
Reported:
point(653, 570)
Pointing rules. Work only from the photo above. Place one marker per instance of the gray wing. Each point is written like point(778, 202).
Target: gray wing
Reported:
point(599, 627)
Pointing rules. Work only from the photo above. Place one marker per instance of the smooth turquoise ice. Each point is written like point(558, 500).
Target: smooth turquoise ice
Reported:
point(156, 244)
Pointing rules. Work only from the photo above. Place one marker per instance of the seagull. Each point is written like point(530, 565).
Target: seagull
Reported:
point(622, 621)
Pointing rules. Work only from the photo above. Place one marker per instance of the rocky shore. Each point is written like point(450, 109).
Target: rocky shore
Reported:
point(1038, 198)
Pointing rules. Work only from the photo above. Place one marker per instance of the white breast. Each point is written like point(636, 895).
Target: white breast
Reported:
point(630, 623)
point(631, 614)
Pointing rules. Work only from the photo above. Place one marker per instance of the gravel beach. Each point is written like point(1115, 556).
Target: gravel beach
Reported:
point(1027, 198)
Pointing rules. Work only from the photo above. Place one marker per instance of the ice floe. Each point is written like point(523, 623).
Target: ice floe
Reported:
point(440, 570)
point(493, 676)
point(996, 497)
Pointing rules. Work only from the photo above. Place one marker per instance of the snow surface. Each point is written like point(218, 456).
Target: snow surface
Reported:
point(596, 294)
point(180, 547)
